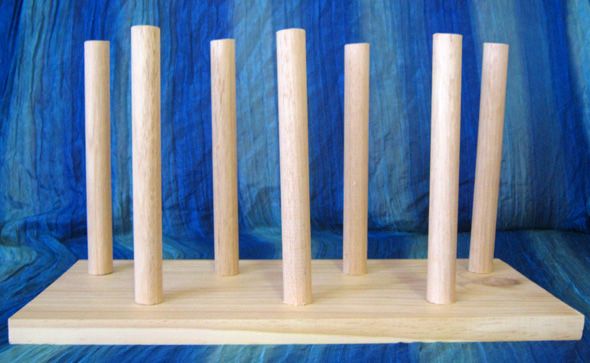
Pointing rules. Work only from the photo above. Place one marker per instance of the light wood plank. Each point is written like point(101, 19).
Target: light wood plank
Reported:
point(385, 305)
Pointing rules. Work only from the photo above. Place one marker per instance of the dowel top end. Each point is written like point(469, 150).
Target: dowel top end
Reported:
point(96, 42)
point(145, 28)
point(357, 45)
point(222, 41)
point(447, 36)
point(496, 46)
point(285, 32)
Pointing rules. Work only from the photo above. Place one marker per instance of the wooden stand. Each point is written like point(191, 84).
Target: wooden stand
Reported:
point(384, 306)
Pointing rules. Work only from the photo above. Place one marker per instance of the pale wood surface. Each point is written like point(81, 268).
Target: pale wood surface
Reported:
point(444, 167)
point(225, 164)
point(489, 156)
point(147, 174)
point(294, 160)
point(386, 305)
point(356, 157)
point(98, 157)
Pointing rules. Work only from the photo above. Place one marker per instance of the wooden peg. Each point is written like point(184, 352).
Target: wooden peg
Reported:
point(147, 174)
point(225, 164)
point(489, 157)
point(444, 168)
point(98, 157)
point(295, 217)
point(356, 157)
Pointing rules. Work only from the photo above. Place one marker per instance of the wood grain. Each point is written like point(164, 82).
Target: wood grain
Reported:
point(225, 159)
point(294, 160)
point(356, 157)
point(147, 172)
point(489, 156)
point(444, 167)
point(384, 306)
point(98, 157)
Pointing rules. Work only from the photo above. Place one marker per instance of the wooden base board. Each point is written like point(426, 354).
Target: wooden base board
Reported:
point(386, 305)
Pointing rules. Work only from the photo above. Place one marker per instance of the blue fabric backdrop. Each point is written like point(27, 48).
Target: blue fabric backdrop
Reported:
point(545, 182)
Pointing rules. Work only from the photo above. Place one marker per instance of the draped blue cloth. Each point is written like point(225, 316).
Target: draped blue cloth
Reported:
point(544, 202)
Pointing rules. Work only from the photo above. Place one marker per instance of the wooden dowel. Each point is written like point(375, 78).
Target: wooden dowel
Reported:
point(225, 164)
point(356, 157)
point(295, 217)
point(489, 157)
point(444, 168)
point(98, 157)
point(147, 175)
